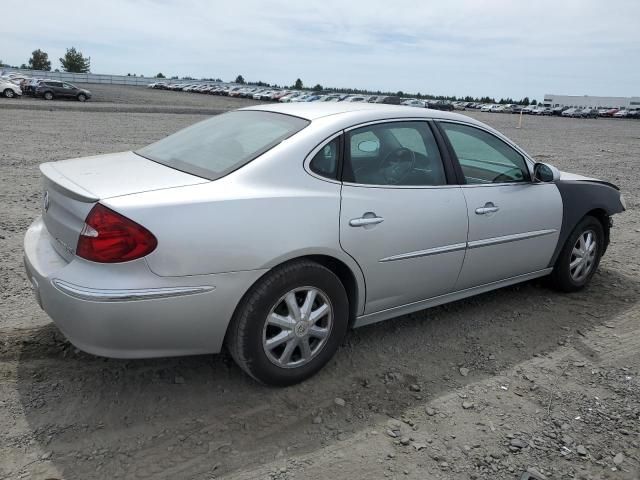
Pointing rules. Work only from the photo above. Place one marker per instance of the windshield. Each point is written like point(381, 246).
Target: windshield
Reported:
point(217, 146)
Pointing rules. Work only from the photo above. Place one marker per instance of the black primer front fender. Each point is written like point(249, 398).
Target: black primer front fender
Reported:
point(580, 197)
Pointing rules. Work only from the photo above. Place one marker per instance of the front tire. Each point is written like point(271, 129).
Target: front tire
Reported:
point(48, 96)
point(290, 324)
point(82, 97)
point(9, 93)
point(580, 256)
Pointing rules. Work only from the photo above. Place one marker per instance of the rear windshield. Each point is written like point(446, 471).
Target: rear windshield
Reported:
point(217, 146)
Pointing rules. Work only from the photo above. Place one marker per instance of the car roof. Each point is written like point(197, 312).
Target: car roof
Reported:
point(312, 111)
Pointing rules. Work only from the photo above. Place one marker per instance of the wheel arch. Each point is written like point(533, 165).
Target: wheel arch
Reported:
point(347, 271)
point(348, 279)
point(604, 218)
point(582, 198)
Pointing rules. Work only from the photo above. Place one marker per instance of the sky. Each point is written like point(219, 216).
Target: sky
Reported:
point(499, 48)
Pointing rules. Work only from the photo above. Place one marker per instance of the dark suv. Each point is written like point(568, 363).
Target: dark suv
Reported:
point(439, 105)
point(50, 89)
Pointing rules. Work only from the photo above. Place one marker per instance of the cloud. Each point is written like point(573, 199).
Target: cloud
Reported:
point(476, 47)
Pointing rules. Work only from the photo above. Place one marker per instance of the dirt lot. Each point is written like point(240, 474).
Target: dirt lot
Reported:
point(483, 388)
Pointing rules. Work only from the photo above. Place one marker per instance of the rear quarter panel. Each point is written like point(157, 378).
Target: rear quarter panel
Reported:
point(263, 214)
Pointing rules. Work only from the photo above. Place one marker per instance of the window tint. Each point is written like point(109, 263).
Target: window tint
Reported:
point(398, 153)
point(221, 144)
point(325, 162)
point(483, 157)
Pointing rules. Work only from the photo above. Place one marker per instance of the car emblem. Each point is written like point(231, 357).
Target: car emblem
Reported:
point(45, 200)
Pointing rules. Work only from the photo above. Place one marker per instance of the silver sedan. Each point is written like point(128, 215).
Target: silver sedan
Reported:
point(273, 229)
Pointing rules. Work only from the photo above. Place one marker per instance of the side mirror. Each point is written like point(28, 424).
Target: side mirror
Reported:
point(543, 172)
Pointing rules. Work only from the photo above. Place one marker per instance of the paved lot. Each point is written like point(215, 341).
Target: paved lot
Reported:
point(483, 388)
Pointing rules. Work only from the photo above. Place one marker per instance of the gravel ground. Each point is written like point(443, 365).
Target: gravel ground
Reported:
point(482, 388)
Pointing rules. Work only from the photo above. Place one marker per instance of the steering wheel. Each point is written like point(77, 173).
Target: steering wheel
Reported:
point(397, 164)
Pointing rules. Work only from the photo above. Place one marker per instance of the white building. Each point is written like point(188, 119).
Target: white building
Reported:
point(551, 100)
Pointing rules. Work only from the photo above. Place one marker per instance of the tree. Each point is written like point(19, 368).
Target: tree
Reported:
point(534, 102)
point(74, 61)
point(298, 85)
point(40, 61)
point(317, 88)
point(240, 80)
point(160, 75)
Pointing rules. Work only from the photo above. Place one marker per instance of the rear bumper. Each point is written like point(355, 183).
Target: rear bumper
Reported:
point(125, 310)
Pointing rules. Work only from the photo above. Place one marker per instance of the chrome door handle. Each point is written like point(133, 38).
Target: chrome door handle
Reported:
point(364, 221)
point(489, 207)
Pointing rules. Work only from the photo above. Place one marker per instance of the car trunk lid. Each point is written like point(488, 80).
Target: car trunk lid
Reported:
point(72, 188)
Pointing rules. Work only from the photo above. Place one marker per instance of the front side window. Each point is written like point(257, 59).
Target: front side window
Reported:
point(485, 158)
point(217, 146)
point(398, 153)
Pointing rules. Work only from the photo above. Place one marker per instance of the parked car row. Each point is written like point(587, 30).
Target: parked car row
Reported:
point(15, 85)
point(273, 94)
point(572, 112)
point(433, 104)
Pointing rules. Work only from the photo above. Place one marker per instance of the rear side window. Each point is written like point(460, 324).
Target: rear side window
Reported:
point(325, 162)
point(217, 146)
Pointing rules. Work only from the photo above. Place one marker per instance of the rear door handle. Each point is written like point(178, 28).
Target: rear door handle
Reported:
point(365, 220)
point(489, 207)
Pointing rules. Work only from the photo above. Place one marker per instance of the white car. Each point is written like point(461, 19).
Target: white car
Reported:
point(486, 108)
point(414, 103)
point(356, 98)
point(10, 89)
point(275, 228)
point(289, 98)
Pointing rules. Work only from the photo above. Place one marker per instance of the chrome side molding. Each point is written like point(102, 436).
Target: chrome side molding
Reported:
point(474, 244)
point(126, 295)
point(510, 238)
point(425, 253)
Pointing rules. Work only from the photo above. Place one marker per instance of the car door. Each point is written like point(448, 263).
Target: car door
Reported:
point(401, 219)
point(514, 223)
point(68, 90)
point(58, 91)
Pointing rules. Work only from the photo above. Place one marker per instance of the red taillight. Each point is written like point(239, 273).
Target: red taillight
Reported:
point(109, 237)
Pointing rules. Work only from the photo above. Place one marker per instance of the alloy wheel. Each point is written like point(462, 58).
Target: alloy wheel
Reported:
point(297, 327)
point(583, 256)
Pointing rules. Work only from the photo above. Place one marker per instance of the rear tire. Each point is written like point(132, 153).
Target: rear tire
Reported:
point(579, 257)
point(48, 96)
point(9, 93)
point(281, 333)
